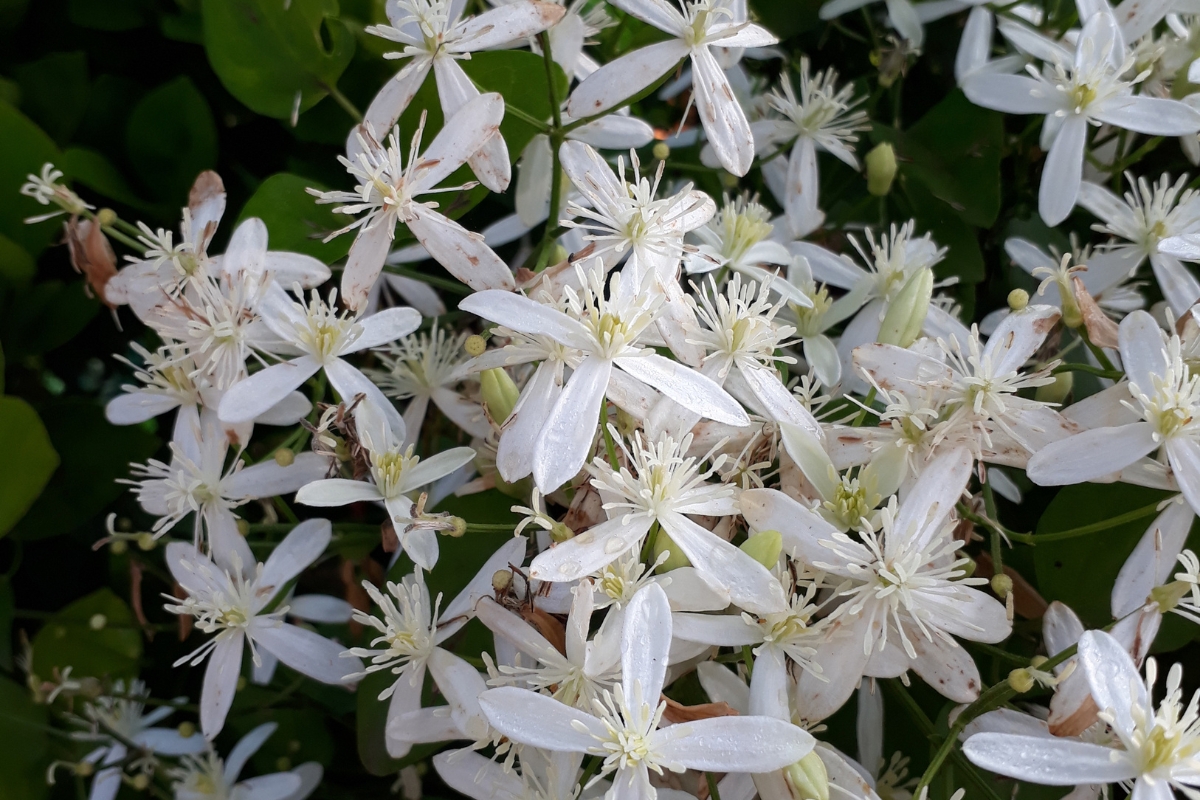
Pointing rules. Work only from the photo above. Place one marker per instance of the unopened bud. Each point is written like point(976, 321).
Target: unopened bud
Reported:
point(968, 569)
point(560, 533)
point(906, 312)
point(84, 769)
point(241, 683)
point(764, 547)
point(1072, 314)
point(294, 746)
point(475, 345)
point(626, 423)
point(728, 180)
point(1020, 680)
point(98, 622)
point(118, 547)
point(808, 777)
point(140, 782)
point(285, 457)
point(90, 688)
point(661, 151)
point(1037, 661)
point(146, 541)
point(501, 580)
point(1002, 585)
point(243, 528)
point(1018, 299)
point(106, 217)
point(1056, 392)
point(881, 169)
point(675, 559)
point(499, 393)
point(283, 763)
point(187, 729)
point(558, 254)
point(458, 529)
point(1167, 596)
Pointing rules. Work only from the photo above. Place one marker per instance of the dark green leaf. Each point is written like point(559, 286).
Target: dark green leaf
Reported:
point(26, 751)
point(108, 15)
point(54, 92)
point(98, 174)
point(94, 455)
point(266, 52)
point(964, 258)
point(294, 220)
point(68, 639)
point(16, 266)
point(520, 77)
point(26, 148)
point(47, 316)
point(7, 604)
point(171, 138)
point(29, 460)
point(11, 12)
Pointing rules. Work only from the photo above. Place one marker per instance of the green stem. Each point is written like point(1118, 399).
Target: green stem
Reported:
point(748, 660)
point(1098, 352)
point(123, 239)
point(489, 527)
point(528, 119)
point(454, 287)
point(1089, 369)
point(590, 770)
point(862, 415)
point(1058, 536)
point(633, 98)
point(712, 786)
point(609, 446)
point(345, 103)
point(989, 504)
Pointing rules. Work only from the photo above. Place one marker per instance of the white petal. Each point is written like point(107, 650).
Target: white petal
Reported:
point(591, 550)
point(624, 77)
point(385, 327)
point(365, 261)
point(1019, 336)
point(1091, 454)
point(1183, 452)
point(465, 255)
point(718, 744)
point(685, 386)
point(1153, 559)
point(436, 466)
point(262, 391)
point(1061, 628)
point(1063, 170)
point(138, 406)
point(220, 683)
point(511, 553)
point(1155, 116)
point(461, 136)
point(1179, 286)
point(1012, 94)
point(514, 456)
point(510, 22)
point(780, 404)
point(925, 508)
point(247, 746)
point(1053, 762)
point(320, 608)
point(300, 548)
point(277, 786)
point(1114, 680)
point(337, 492)
point(307, 652)
point(723, 119)
point(722, 685)
point(522, 314)
point(748, 582)
point(947, 667)
point(540, 721)
point(571, 427)
point(349, 382)
point(802, 530)
point(268, 478)
point(645, 640)
point(769, 684)
point(390, 102)
point(479, 778)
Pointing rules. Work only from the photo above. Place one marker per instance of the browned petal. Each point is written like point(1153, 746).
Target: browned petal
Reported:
point(677, 712)
point(91, 255)
point(547, 625)
point(1100, 327)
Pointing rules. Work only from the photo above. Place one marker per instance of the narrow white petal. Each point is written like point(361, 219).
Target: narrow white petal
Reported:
point(687, 387)
point(1091, 455)
point(1063, 171)
point(1153, 559)
point(718, 744)
point(300, 548)
point(645, 640)
point(220, 683)
point(624, 77)
point(721, 114)
point(537, 720)
point(571, 427)
point(1052, 762)
point(307, 652)
point(262, 391)
point(1114, 680)
point(591, 550)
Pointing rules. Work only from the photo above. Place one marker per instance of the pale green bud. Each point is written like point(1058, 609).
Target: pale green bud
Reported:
point(84, 768)
point(906, 313)
point(808, 777)
point(881, 169)
point(1168, 595)
point(1020, 680)
point(187, 729)
point(475, 345)
point(459, 530)
point(1056, 392)
point(1002, 585)
point(98, 622)
point(661, 151)
point(106, 217)
point(1018, 299)
point(662, 544)
point(764, 547)
point(146, 541)
point(285, 457)
point(499, 393)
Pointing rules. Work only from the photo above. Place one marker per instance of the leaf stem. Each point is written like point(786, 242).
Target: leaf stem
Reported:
point(345, 103)
point(1058, 536)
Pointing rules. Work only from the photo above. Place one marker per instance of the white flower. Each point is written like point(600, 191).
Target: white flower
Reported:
point(47, 190)
point(607, 332)
point(696, 27)
point(624, 728)
point(388, 190)
point(904, 583)
point(543, 776)
point(395, 473)
point(323, 337)
point(667, 487)
point(822, 117)
point(408, 644)
point(434, 36)
point(209, 777)
point(1076, 90)
point(233, 605)
point(1164, 396)
point(1159, 748)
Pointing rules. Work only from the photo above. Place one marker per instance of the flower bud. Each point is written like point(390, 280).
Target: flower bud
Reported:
point(1002, 585)
point(968, 569)
point(118, 547)
point(764, 547)
point(285, 457)
point(808, 778)
point(146, 541)
point(106, 217)
point(187, 729)
point(1020, 680)
point(1168, 595)
point(661, 151)
point(243, 528)
point(881, 169)
point(906, 312)
point(499, 393)
point(560, 533)
point(98, 622)
point(283, 763)
point(140, 782)
point(501, 580)
point(475, 345)
point(241, 683)
point(1018, 299)
point(729, 181)
point(1056, 392)
point(458, 530)
point(662, 544)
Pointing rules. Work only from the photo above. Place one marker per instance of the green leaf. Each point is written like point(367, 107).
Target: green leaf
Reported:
point(28, 463)
point(266, 52)
point(1080, 572)
point(54, 92)
point(94, 455)
point(964, 258)
point(171, 138)
point(46, 316)
point(16, 266)
point(26, 148)
point(11, 12)
point(108, 15)
point(294, 220)
point(69, 640)
point(98, 174)
point(26, 751)
point(7, 605)
point(520, 78)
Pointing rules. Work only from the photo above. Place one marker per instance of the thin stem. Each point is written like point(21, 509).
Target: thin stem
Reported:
point(989, 504)
point(862, 415)
point(609, 446)
point(713, 792)
point(1098, 352)
point(1115, 375)
point(489, 527)
point(123, 239)
point(453, 287)
point(528, 119)
point(1058, 536)
point(557, 134)
point(344, 102)
point(748, 660)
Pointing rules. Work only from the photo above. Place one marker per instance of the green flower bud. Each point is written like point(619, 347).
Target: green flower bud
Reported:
point(661, 151)
point(881, 169)
point(285, 457)
point(501, 580)
point(1018, 299)
point(764, 547)
point(1002, 585)
point(459, 529)
point(1168, 595)
point(98, 622)
point(1056, 392)
point(187, 729)
point(119, 547)
point(140, 782)
point(808, 778)
point(243, 528)
point(475, 345)
point(1020, 680)
point(499, 393)
point(106, 217)
point(676, 559)
point(84, 768)
point(146, 541)
point(906, 312)
point(283, 763)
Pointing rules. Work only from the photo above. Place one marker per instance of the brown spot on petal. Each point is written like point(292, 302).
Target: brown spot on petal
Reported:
point(91, 255)
point(548, 626)
point(677, 712)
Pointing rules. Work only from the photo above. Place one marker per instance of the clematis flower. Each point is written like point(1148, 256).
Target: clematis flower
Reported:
point(607, 331)
point(695, 28)
point(209, 777)
point(905, 583)
point(110, 717)
point(409, 643)
point(388, 190)
point(1155, 748)
point(821, 117)
point(234, 603)
point(1163, 394)
point(624, 729)
point(1075, 90)
point(435, 37)
point(543, 776)
point(323, 337)
point(395, 473)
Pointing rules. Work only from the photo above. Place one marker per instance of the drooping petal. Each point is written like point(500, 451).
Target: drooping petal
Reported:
point(220, 682)
point(462, 135)
point(479, 778)
point(1143, 351)
point(514, 456)
point(365, 261)
point(571, 427)
point(803, 530)
point(946, 667)
point(349, 382)
point(1012, 94)
point(390, 102)
point(247, 746)
point(1183, 453)
point(721, 114)
point(1153, 559)
point(645, 640)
